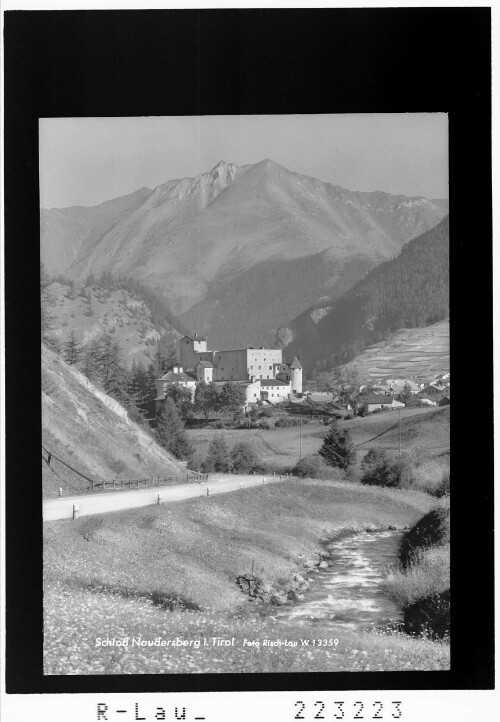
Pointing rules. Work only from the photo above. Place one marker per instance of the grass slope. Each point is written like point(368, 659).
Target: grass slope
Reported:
point(92, 433)
point(421, 428)
point(425, 429)
point(118, 575)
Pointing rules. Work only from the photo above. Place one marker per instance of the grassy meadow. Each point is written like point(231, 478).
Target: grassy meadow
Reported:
point(170, 572)
point(425, 438)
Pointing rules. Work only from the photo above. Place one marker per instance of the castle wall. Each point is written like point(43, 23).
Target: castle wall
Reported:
point(204, 374)
point(234, 364)
point(230, 365)
point(187, 355)
point(261, 361)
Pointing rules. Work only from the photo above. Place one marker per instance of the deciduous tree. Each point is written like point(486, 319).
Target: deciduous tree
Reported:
point(244, 459)
point(206, 399)
point(232, 397)
point(182, 398)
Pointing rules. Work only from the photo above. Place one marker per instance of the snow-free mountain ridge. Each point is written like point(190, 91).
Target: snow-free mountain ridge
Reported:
point(237, 251)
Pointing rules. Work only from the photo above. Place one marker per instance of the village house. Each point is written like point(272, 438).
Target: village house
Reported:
point(375, 402)
point(397, 386)
point(261, 372)
point(176, 377)
point(434, 392)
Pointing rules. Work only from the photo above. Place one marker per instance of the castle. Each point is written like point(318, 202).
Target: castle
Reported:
point(260, 371)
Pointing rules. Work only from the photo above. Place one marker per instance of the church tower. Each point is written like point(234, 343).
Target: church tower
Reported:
point(296, 376)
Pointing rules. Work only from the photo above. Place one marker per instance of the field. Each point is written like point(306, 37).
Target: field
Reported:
point(170, 572)
point(418, 353)
point(426, 429)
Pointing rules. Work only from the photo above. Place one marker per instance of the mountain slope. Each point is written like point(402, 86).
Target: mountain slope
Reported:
point(409, 291)
point(91, 432)
point(196, 238)
point(110, 306)
point(64, 230)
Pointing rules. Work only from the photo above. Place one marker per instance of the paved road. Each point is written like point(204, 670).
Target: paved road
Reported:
point(101, 502)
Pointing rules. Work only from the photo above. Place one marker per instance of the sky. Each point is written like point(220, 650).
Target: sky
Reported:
point(85, 161)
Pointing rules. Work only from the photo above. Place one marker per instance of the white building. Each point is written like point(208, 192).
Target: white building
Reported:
point(176, 377)
point(261, 371)
point(381, 401)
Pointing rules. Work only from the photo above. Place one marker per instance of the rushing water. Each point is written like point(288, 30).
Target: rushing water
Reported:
point(350, 592)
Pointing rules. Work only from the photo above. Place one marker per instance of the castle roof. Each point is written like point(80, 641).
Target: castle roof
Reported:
point(176, 377)
point(295, 363)
point(236, 382)
point(195, 337)
point(273, 382)
point(205, 364)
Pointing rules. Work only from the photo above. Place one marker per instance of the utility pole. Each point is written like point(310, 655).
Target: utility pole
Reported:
point(300, 439)
point(399, 431)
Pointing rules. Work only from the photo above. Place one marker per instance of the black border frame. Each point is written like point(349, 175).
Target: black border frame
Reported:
point(189, 62)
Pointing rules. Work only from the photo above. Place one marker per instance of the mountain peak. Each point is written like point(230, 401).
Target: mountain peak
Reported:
point(221, 165)
point(268, 164)
point(222, 171)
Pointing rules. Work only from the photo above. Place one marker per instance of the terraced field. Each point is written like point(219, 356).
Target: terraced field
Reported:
point(418, 353)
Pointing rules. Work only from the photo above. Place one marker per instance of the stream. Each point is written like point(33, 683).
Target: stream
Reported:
point(350, 592)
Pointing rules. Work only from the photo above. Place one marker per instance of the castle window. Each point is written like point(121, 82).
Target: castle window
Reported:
point(260, 369)
point(270, 368)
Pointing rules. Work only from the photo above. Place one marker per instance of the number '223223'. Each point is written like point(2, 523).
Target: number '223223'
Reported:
point(360, 710)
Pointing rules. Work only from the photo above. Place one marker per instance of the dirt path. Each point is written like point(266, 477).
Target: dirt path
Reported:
point(100, 503)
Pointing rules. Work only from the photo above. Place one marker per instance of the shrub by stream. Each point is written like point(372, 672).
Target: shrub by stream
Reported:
point(421, 586)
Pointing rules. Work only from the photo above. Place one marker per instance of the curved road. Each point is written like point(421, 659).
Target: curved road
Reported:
point(102, 502)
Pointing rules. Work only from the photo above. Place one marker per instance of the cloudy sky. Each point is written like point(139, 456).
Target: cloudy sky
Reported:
point(85, 161)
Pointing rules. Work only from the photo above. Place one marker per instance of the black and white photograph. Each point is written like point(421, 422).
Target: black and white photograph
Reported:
point(244, 251)
point(245, 393)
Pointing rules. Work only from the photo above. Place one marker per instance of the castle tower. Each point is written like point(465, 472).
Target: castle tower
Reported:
point(189, 348)
point(296, 376)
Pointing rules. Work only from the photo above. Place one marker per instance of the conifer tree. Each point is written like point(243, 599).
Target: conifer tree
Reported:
point(72, 350)
point(338, 449)
point(170, 432)
point(46, 318)
point(139, 383)
point(218, 458)
point(91, 355)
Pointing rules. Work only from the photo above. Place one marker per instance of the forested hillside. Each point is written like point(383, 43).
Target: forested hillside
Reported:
point(411, 290)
